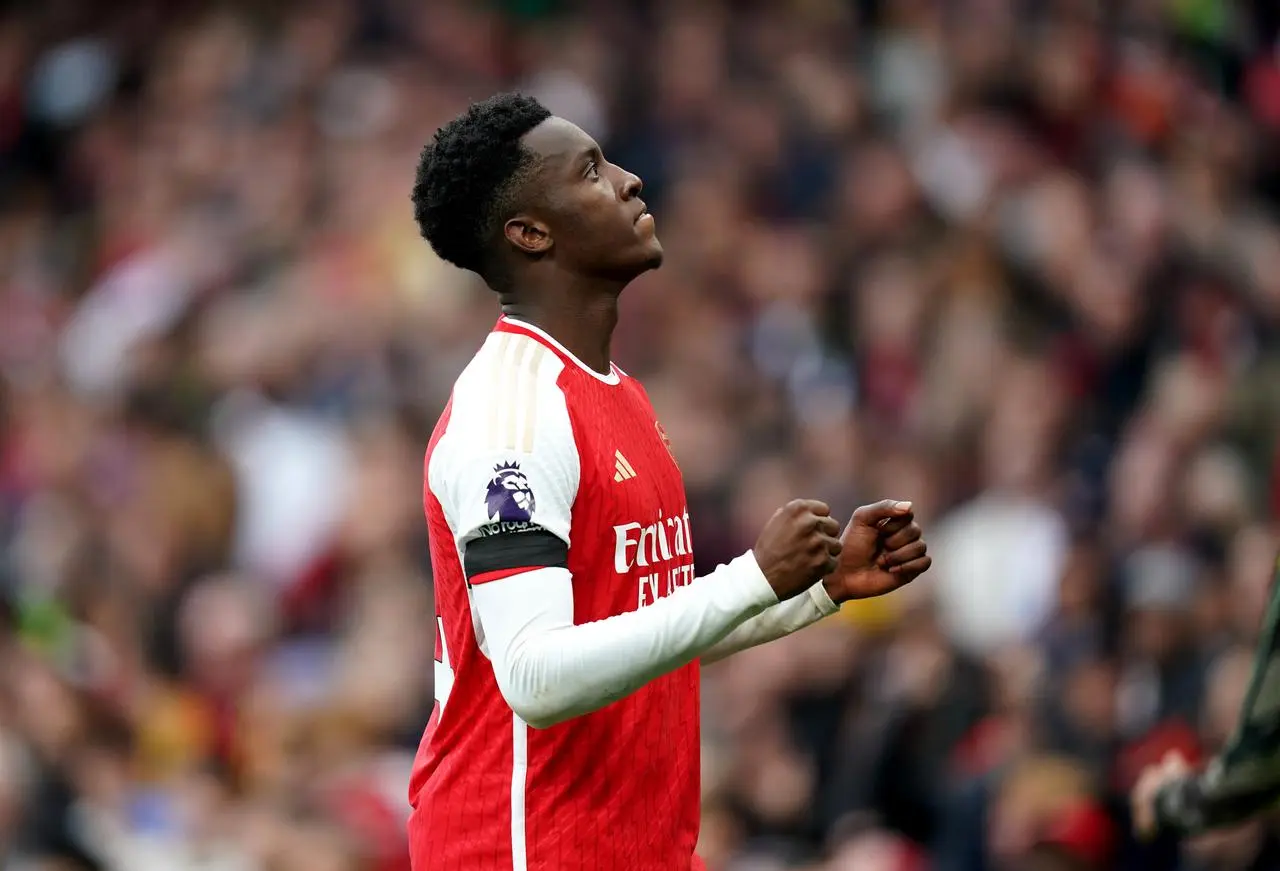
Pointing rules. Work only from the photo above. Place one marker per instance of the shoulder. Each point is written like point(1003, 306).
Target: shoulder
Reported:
point(507, 393)
point(508, 451)
point(632, 384)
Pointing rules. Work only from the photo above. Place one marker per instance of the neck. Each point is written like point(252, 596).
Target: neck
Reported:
point(581, 319)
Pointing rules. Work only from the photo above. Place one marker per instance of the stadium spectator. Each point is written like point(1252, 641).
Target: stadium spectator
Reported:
point(1027, 253)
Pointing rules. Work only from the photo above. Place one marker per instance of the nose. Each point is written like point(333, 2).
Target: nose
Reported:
point(631, 185)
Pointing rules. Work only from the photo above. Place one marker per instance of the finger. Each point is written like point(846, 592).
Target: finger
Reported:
point(903, 537)
point(913, 569)
point(827, 526)
point(1141, 800)
point(892, 524)
point(896, 544)
point(885, 509)
point(834, 546)
point(833, 560)
point(811, 506)
point(1143, 823)
point(905, 554)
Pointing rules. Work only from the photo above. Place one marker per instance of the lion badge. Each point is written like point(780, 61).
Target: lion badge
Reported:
point(510, 498)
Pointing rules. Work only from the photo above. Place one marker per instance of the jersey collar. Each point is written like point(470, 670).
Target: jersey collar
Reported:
point(507, 323)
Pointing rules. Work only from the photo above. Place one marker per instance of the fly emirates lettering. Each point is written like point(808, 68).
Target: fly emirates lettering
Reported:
point(663, 548)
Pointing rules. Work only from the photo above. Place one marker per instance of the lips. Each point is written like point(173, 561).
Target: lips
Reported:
point(644, 210)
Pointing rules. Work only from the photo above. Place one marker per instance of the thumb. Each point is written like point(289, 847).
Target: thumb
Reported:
point(878, 512)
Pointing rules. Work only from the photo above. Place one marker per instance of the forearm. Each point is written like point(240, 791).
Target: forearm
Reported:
point(775, 622)
point(1209, 800)
point(549, 669)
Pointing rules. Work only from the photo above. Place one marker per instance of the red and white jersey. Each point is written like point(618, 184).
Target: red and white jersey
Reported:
point(532, 436)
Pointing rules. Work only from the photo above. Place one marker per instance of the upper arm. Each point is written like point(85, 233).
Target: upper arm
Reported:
point(506, 470)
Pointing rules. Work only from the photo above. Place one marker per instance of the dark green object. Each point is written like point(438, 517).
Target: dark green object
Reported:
point(1244, 779)
point(530, 10)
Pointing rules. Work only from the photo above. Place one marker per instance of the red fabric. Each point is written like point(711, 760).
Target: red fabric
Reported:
point(363, 810)
point(1171, 735)
point(1262, 90)
point(498, 575)
point(983, 747)
point(1084, 831)
point(309, 601)
point(618, 788)
point(912, 858)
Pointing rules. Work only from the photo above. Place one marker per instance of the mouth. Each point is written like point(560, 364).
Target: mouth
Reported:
point(644, 213)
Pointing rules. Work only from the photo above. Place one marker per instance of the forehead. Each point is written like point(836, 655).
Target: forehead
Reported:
point(558, 142)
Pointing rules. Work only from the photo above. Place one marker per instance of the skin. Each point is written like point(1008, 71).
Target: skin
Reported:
point(582, 236)
point(585, 237)
point(1171, 768)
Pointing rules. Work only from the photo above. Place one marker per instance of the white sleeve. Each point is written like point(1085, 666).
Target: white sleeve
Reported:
point(550, 670)
point(776, 622)
point(508, 463)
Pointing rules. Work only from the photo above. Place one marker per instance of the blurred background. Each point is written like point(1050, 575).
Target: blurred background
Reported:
point(1018, 262)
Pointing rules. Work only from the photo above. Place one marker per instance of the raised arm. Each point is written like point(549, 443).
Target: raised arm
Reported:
point(507, 489)
point(882, 549)
point(777, 621)
point(549, 669)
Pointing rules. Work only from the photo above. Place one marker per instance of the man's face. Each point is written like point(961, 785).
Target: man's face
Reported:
point(598, 223)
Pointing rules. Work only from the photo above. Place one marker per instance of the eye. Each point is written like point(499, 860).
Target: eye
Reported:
point(593, 171)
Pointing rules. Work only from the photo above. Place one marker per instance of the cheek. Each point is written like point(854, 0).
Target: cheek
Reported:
point(577, 223)
point(600, 230)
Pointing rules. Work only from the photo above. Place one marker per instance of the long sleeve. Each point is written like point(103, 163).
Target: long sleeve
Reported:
point(1198, 803)
point(1244, 779)
point(506, 475)
point(776, 622)
point(550, 670)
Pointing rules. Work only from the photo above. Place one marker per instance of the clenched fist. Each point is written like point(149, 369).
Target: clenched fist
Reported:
point(798, 547)
point(884, 549)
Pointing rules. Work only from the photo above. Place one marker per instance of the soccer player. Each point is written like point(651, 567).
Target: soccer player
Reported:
point(570, 626)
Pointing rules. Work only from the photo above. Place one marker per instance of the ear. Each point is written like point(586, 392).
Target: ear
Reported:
point(528, 235)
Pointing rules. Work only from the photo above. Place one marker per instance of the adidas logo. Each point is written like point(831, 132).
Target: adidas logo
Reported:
point(622, 469)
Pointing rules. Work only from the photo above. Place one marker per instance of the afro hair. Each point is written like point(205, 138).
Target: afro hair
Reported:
point(467, 176)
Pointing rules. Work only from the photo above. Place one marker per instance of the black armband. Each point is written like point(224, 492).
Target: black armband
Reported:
point(528, 548)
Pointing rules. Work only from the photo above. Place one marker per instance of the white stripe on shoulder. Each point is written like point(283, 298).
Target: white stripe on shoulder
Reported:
point(511, 391)
point(507, 407)
point(611, 379)
point(501, 396)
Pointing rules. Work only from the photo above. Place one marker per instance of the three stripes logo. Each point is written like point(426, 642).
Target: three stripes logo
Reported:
point(622, 468)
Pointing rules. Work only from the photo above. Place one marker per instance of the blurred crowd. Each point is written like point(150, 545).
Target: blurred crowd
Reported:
point(1015, 260)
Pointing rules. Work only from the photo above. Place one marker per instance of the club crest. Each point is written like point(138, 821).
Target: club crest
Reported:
point(509, 498)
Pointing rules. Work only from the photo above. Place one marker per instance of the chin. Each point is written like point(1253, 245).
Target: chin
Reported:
point(643, 261)
point(655, 256)
point(636, 261)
